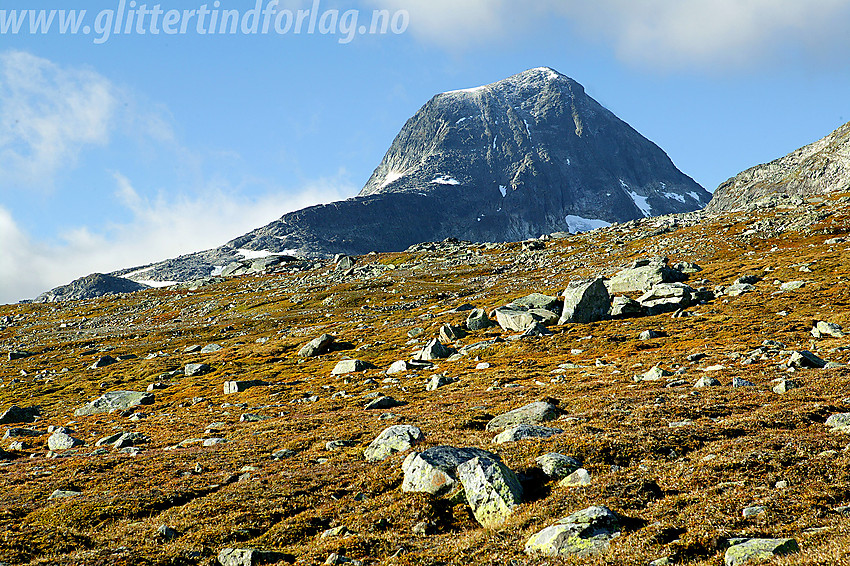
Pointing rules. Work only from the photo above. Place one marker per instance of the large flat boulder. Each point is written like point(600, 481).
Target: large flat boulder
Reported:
point(115, 401)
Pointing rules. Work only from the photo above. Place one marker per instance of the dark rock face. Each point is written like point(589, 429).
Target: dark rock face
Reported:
point(816, 169)
point(91, 287)
point(529, 155)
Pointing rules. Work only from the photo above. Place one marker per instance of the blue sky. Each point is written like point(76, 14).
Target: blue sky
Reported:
point(143, 147)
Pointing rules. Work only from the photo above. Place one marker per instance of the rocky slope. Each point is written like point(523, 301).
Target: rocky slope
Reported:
point(91, 287)
point(816, 169)
point(456, 403)
point(530, 155)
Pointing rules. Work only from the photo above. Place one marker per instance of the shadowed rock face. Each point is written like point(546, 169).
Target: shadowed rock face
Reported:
point(816, 169)
point(529, 155)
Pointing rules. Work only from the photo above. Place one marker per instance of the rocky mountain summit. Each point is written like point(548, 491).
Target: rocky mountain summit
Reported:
point(529, 155)
point(819, 168)
point(90, 287)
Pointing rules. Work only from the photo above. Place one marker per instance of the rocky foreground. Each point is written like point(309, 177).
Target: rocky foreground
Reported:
point(669, 391)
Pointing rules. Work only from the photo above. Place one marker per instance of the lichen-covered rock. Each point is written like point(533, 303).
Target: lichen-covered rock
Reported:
point(317, 346)
point(585, 301)
point(397, 438)
point(748, 551)
point(516, 319)
point(667, 297)
point(115, 401)
point(556, 465)
point(525, 432)
point(839, 422)
point(62, 441)
point(533, 413)
point(478, 320)
point(643, 275)
point(350, 366)
point(434, 470)
point(491, 488)
point(583, 533)
point(433, 350)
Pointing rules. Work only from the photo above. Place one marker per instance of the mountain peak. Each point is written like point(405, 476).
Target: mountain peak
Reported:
point(536, 75)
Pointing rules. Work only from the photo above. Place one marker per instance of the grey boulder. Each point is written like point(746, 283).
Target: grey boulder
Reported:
point(751, 551)
point(533, 413)
point(433, 350)
point(557, 466)
point(115, 401)
point(585, 301)
point(62, 441)
point(397, 438)
point(317, 346)
point(525, 432)
point(350, 366)
point(434, 470)
point(478, 320)
point(584, 533)
point(491, 488)
point(644, 275)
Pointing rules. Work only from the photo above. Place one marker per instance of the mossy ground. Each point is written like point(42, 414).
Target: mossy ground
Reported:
point(681, 489)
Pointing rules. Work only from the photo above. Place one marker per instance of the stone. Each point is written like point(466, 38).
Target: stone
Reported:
point(20, 433)
point(578, 478)
point(537, 301)
point(384, 402)
point(655, 374)
point(433, 350)
point(130, 439)
point(585, 302)
point(115, 401)
point(194, 349)
point(438, 381)
point(231, 387)
point(394, 439)
point(402, 366)
point(751, 551)
point(753, 511)
point(492, 490)
point(111, 439)
point(741, 382)
point(650, 334)
point(350, 366)
point(823, 329)
point(707, 381)
point(449, 333)
point(805, 359)
point(737, 289)
point(786, 385)
point(344, 262)
point(644, 275)
point(213, 441)
point(667, 297)
point(557, 466)
point(19, 355)
point(537, 330)
point(15, 414)
point(194, 370)
point(584, 533)
point(525, 432)
point(210, 348)
point(252, 418)
point(62, 441)
point(434, 470)
point(478, 320)
point(792, 285)
point(839, 422)
point(167, 533)
point(515, 320)
point(624, 307)
point(103, 362)
point(246, 557)
point(533, 413)
point(64, 494)
point(317, 346)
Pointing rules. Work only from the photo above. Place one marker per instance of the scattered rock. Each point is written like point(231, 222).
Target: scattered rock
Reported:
point(624, 307)
point(753, 511)
point(478, 320)
point(741, 382)
point(525, 432)
point(707, 381)
point(536, 301)
point(786, 385)
point(15, 414)
point(384, 402)
point(19, 355)
point(62, 441)
point(492, 490)
point(317, 346)
point(584, 533)
point(650, 334)
point(655, 374)
point(166, 533)
point(839, 422)
point(557, 466)
point(438, 381)
point(115, 401)
point(792, 285)
point(64, 494)
point(578, 478)
point(246, 557)
point(747, 551)
point(402, 366)
point(644, 275)
point(104, 361)
point(433, 350)
point(585, 302)
point(515, 319)
point(533, 413)
point(350, 366)
point(231, 387)
point(397, 438)
point(434, 471)
point(130, 439)
point(805, 359)
point(667, 297)
point(194, 370)
point(449, 333)
point(210, 348)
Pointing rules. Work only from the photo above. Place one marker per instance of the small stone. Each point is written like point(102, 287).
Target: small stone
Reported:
point(384, 402)
point(492, 490)
point(213, 441)
point(449, 333)
point(210, 348)
point(750, 551)
point(437, 381)
point(650, 334)
point(805, 359)
point(478, 320)
point(792, 285)
point(578, 478)
point(533, 413)
point(753, 511)
point(786, 385)
point(655, 374)
point(740, 382)
point(15, 414)
point(64, 494)
point(397, 438)
point(433, 350)
point(584, 533)
point(707, 381)
point(194, 370)
point(104, 361)
point(166, 533)
point(62, 441)
point(557, 466)
point(231, 387)
point(525, 432)
point(350, 366)
point(317, 346)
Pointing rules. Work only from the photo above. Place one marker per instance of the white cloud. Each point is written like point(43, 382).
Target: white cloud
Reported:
point(658, 33)
point(48, 114)
point(160, 228)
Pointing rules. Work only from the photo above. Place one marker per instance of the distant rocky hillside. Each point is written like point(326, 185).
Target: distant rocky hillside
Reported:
point(816, 169)
point(91, 287)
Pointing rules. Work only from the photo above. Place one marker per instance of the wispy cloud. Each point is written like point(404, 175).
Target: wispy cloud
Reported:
point(664, 34)
point(48, 115)
point(161, 227)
